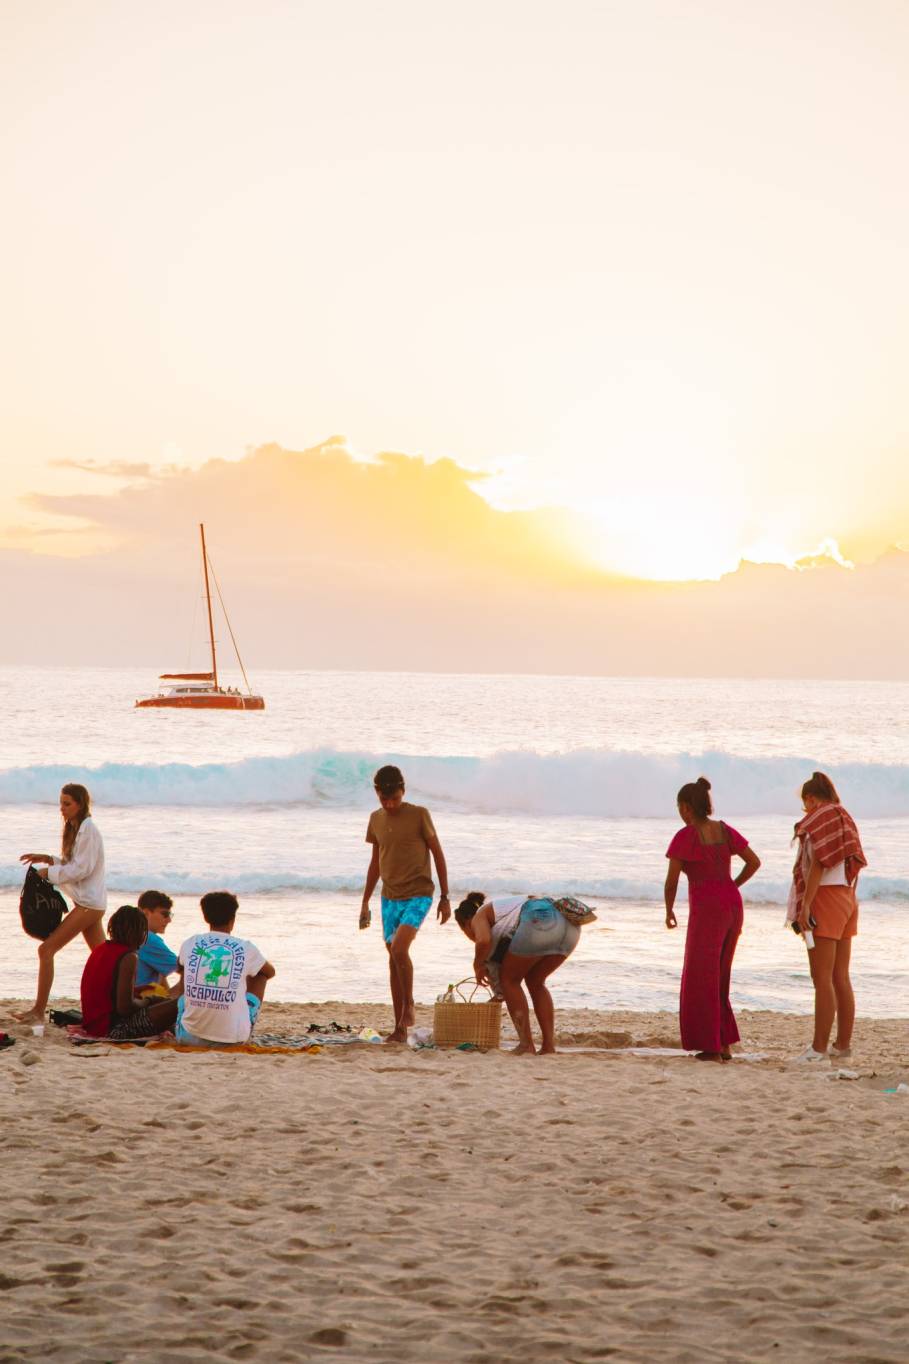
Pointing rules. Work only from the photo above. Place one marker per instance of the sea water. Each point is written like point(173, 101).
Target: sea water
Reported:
point(536, 784)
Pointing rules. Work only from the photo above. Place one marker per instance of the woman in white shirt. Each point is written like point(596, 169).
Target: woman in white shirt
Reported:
point(526, 938)
point(79, 872)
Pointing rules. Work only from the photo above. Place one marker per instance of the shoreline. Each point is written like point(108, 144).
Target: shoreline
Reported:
point(776, 1036)
point(383, 1205)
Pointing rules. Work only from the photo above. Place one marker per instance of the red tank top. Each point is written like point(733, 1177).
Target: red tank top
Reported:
point(99, 987)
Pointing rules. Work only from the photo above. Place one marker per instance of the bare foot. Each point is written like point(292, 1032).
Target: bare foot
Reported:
point(725, 1054)
point(524, 1049)
point(28, 1015)
point(399, 1035)
point(708, 1056)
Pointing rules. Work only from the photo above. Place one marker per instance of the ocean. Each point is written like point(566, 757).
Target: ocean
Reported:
point(536, 784)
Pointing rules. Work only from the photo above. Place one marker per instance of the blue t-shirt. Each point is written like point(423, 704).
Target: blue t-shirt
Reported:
point(155, 959)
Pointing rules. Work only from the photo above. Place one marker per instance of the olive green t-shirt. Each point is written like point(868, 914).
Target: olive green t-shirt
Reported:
point(403, 840)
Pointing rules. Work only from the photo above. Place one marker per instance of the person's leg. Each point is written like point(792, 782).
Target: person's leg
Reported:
point(729, 1031)
point(699, 995)
point(845, 999)
point(513, 970)
point(78, 920)
point(162, 1015)
point(401, 975)
point(542, 999)
point(821, 958)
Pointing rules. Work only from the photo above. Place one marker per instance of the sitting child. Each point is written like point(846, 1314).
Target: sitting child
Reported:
point(109, 1004)
point(223, 979)
point(156, 960)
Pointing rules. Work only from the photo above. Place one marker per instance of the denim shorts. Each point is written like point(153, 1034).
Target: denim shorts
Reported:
point(253, 1003)
point(542, 931)
point(397, 912)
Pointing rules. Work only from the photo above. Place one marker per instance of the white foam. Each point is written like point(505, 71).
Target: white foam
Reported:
point(589, 782)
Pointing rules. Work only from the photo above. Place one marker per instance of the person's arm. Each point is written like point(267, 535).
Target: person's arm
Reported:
point(31, 858)
point(670, 889)
point(372, 877)
point(752, 862)
point(443, 913)
point(482, 936)
point(266, 971)
point(176, 989)
point(127, 1003)
point(812, 881)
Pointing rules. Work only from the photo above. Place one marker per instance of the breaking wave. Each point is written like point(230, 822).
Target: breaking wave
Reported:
point(590, 782)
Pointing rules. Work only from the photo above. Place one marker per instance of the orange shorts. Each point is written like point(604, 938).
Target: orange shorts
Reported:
point(836, 911)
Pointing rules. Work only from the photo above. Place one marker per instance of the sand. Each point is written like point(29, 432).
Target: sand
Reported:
point(379, 1204)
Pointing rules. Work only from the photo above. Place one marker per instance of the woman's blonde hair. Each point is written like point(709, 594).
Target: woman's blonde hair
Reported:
point(71, 826)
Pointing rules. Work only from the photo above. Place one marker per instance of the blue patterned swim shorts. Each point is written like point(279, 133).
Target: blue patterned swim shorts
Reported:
point(397, 912)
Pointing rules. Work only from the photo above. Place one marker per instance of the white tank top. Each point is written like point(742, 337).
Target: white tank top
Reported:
point(830, 876)
point(505, 910)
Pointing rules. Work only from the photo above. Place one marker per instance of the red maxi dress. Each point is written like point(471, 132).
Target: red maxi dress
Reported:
point(706, 1019)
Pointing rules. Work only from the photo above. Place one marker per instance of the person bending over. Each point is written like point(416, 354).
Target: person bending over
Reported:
point(156, 960)
point(224, 979)
point(516, 940)
point(402, 837)
point(110, 1007)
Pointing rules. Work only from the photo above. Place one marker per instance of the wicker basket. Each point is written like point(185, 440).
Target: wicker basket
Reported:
point(457, 1021)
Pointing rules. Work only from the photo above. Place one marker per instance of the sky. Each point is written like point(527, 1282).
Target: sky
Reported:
point(641, 265)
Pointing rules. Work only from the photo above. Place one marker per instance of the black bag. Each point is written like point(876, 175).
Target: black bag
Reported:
point(41, 906)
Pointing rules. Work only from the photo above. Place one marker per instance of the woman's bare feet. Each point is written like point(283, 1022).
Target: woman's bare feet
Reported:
point(708, 1056)
point(399, 1035)
point(28, 1015)
point(524, 1049)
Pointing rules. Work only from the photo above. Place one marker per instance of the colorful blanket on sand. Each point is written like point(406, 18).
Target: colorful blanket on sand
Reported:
point(834, 839)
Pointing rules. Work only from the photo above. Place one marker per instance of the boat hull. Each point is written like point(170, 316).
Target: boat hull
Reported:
point(201, 703)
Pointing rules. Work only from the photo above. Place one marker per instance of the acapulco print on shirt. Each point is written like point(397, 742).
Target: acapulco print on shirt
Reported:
point(215, 968)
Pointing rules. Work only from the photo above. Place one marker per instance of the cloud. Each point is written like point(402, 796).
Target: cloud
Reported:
point(330, 560)
point(117, 468)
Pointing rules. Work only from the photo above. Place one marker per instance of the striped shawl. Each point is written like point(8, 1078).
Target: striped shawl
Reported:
point(834, 839)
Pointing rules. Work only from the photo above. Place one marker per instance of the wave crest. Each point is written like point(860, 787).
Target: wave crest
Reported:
point(589, 782)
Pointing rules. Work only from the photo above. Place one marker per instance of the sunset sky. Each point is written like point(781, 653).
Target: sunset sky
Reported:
point(643, 261)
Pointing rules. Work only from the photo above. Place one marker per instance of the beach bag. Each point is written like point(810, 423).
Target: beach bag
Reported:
point(41, 906)
point(457, 1018)
point(575, 911)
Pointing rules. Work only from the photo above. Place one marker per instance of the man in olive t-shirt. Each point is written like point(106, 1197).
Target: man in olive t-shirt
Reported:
point(402, 838)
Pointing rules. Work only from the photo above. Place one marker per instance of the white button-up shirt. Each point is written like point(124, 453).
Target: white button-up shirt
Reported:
point(81, 876)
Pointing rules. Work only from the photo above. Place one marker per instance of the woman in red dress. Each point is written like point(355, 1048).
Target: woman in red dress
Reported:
point(703, 850)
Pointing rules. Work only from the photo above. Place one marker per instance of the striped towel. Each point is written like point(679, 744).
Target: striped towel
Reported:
point(834, 839)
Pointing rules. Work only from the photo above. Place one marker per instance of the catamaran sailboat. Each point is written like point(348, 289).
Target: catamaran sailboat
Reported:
point(202, 691)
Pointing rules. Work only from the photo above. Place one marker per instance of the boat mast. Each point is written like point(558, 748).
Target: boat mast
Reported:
point(211, 627)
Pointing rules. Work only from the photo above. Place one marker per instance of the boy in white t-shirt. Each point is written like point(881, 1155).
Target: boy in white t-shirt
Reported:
point(224, 979)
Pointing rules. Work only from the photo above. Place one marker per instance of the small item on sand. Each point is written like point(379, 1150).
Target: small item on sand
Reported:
point(62, 1018)
point(329, 1027)
point(369, 1035)
point(6, 1040)
point(29, 1058)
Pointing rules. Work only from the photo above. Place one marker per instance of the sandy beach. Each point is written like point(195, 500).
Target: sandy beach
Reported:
point(382, 1204)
